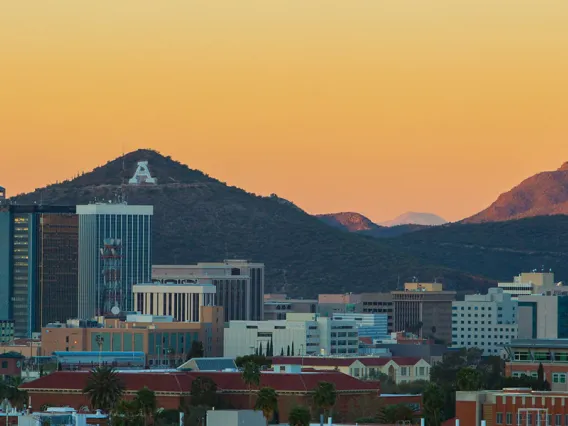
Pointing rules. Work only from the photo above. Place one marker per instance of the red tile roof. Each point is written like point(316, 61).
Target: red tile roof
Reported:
point(226, 381)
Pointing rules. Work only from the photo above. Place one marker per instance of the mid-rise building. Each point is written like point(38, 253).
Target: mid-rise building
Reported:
point(379, 303)
point(374, 326)
point(299, 334)
point(487, 322)
point(38, 265)
point(524, 356)
point(115, 253)
point(2, 193)
point(528, 283)
point(276, 306)
point(182, 301)
point(425, 313)
point(6, 331)
point(543, 317)
point(329, 304)
point(165, 342)
point(239, 284)
point(416, 286)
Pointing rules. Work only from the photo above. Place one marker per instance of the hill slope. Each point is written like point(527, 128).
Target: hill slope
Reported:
point(348, 221)
point(542, 194)
point(197, 218)
point(499, 250)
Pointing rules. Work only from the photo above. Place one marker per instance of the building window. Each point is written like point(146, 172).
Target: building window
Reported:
point(403, 371)
point(4, 364)
point(559, 378)
point(499, 420)
point(509, 418)
point(558, 420)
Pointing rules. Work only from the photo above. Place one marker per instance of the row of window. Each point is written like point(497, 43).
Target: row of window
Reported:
point(527, 419)
point(476, 308)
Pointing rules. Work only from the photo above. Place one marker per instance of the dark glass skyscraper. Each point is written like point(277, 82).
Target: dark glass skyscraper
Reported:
point(115, 252)
point(38, 265)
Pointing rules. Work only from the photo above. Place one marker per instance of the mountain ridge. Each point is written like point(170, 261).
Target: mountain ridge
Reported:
point(198, 218)
point(543, 194)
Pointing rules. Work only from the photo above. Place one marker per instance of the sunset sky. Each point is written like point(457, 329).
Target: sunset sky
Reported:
point(375, 106)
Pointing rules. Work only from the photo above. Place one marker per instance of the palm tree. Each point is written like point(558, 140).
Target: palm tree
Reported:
point(145, 401)
point(104, 388)
point(267, 402)
point(16, 397)
point(299, 416)
point(469, 379)
point(251, 376)
point(325, 396)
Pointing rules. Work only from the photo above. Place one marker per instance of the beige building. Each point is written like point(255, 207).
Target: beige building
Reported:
point(276, 306)
point(379, 303)
point(423, 287)
point(164, 343)
point(239, 284)
point(181, 301)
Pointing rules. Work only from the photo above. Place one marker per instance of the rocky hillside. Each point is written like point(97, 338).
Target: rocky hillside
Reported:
point(348, 221)
point(540, 195)
point(198, 218)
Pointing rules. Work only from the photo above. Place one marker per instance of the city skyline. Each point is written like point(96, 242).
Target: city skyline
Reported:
point(366, 106)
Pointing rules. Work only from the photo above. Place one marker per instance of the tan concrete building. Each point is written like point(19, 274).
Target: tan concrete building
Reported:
point(164, 343)
point(276, 306)
point(423, 287)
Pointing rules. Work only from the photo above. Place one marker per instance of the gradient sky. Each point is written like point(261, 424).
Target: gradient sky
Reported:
point(375, 106)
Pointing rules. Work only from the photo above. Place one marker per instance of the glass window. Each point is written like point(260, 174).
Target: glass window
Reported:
point(499, 418)
point(558, 420)
point(509, 418)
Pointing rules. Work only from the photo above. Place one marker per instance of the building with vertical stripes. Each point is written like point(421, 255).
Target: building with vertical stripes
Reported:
point(181, 301)
point(115, 253)
point(38, 265)
point(239, 285)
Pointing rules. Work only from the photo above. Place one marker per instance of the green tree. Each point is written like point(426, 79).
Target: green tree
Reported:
point(104, 388)
point(293, 351)
point(12, 391)
point(126, 413)
point(267, 402)
point(469, 379)
point(390, 414)
point(196, 350)
point(433, 404)
point(282, 351)
point(260, 360)
point(251, 377)
point(299, 416)
point(204, 392)
point(288, 351)
point(325, 396)
point(145, 401)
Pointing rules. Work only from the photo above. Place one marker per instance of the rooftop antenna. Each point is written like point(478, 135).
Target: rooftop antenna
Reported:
point(122, 196)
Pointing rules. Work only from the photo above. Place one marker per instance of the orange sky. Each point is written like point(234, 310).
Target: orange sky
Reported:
point(376, 106)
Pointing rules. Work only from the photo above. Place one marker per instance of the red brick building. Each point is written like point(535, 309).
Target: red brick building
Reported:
point(525, 356)
point(512, 407)
point(11, 364)
point(354, 397)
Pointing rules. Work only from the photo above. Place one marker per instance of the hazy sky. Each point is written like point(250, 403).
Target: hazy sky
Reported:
point(376, 106)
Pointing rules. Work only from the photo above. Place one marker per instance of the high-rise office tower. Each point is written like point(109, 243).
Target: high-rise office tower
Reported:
point(38, 265)
point(115, 252)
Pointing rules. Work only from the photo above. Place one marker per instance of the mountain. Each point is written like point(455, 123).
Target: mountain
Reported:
point(543, 194)
point(414, 218)
point(348, 221)
point(356, 222)
point(198, 218)
point(499, 250)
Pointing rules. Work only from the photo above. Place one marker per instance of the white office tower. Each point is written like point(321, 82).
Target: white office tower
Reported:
point(487, 322)
point(115, 253)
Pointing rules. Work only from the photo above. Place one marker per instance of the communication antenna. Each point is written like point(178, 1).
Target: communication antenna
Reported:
point(285, 276)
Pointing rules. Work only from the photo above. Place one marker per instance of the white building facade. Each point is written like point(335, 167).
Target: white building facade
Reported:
point(181, 301)
point(487, 322)
point(239, 284)
point(374, 326)
point(298, 335)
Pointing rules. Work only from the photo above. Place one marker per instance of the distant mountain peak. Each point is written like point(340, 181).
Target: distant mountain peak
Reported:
point(350, 221)
point(543, 194)
point(415, 218)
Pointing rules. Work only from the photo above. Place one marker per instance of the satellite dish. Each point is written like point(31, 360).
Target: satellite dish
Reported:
point(115, 310)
